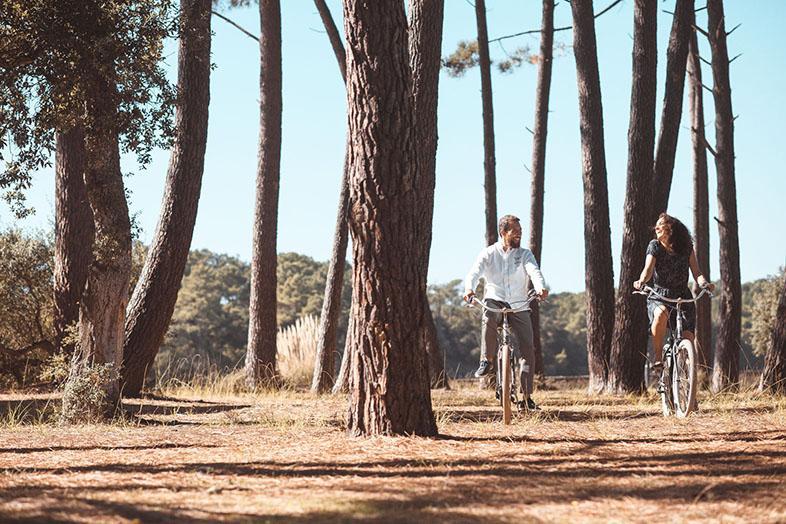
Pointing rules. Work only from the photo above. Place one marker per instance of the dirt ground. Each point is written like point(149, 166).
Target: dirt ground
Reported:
point(286, 458)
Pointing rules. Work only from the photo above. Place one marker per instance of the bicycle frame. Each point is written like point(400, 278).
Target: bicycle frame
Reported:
point(672, 380)
point(506, 331)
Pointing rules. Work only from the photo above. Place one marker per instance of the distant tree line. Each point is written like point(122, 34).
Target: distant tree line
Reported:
point(209, 325)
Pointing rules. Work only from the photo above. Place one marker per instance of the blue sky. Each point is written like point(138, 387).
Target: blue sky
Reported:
point(314, 131)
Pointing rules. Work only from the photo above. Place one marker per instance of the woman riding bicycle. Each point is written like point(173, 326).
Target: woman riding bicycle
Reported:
point(669, 255)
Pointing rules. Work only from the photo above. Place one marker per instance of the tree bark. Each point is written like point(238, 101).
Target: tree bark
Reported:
point(701, 224)
point(773, 378)
point(74, 232)
point(539, 160)
point(599, 278)
point(103, 304)
point(676, 57)
point(154, 297)
point(262, 327)
point(629, 342)
point(389, 383)
point(425, 44)
point(727, 351)
point(489, 160)
point(324, 364)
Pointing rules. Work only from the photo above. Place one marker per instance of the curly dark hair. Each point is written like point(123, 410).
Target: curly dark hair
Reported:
point(681, 240)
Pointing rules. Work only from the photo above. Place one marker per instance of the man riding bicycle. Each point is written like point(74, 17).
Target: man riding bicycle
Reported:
point(507, 269)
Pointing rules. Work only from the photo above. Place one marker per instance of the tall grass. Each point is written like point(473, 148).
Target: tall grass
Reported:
point(297, 350)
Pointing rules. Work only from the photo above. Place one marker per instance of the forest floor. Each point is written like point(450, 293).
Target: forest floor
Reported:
point(286, 457)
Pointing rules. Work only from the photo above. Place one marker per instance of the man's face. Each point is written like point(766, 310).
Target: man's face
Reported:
point(512, 237)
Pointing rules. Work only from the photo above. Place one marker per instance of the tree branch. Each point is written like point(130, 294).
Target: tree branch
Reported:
point(566, 28)
point(735, 58)
point(231, 22)
point(733, 29)
point(707, 88)
point(705, 61)
point(709, 147)
point(700, 30)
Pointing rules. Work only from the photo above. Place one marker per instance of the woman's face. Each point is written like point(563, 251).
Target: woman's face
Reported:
point(662, 231)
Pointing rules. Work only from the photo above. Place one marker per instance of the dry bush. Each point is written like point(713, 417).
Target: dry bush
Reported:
point(297, 350)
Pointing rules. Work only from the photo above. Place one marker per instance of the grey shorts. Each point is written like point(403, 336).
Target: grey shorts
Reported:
point(688, 309)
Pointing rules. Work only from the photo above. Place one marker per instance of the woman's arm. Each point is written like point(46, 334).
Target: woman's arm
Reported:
point(697, 274)
point(646, 273)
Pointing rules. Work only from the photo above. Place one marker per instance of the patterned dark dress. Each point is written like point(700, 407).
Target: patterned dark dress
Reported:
point(670, 279)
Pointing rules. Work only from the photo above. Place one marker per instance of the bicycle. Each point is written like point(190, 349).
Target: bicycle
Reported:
point(507, 360)
point(677, 385)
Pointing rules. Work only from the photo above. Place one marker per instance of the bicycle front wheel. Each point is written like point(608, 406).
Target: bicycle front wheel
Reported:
point(684, 378)
point(507, 377)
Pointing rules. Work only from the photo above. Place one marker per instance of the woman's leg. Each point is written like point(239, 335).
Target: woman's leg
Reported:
point(658, 329)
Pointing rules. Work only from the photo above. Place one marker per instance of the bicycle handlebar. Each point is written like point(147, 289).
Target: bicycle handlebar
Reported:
point(518, 309)
point(647, 290)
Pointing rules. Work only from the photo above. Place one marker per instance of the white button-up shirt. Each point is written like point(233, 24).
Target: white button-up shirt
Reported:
point(507, 274)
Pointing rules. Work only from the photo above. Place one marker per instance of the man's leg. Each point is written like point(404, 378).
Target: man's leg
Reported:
point(521, 324)
point(488, 339)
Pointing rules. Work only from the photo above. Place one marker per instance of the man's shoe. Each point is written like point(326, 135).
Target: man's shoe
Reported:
point(528, 405)
point(485, 368)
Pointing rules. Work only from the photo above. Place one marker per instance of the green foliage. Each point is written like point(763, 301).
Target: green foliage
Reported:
point(464, 58)
point(85, 398)
point(48, 49)
point(26, 304)
point(209, 327)
point(762, 304)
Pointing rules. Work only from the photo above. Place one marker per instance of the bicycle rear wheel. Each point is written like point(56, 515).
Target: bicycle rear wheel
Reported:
point(507, 377)
point(684, 379)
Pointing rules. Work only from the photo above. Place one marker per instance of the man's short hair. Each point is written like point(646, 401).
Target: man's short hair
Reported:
point(506, 223)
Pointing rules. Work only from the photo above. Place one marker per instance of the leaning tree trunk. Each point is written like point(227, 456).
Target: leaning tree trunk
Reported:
point(389, 383)
point(327, 341)
point(727, 351)
point(676, 57)
point(425, 43)
point(773, 378)
point(154, 297)
point(489, 160)
point(629, 342)
point(539, 160)
point(74, 232)
point(701, 224)
point(92, 390)
point(599, 278)
point(262, 327)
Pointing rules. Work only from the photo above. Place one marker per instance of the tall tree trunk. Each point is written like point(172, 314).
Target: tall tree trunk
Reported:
point(599, 279)
point(629, 342)
point(389, 383)
point(773, 378)
point(74, 233)
point(727, 351)
point(327, 341)
point(262, 326)
point(154, 297)
point(701, 213)
point(103, 305)
point(489, 160)
point(342, 378)
point(676, 57)
point(425, 44)
point(539, 160)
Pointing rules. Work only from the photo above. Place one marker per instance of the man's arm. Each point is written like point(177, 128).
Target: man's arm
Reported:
point(533, 270)
point(473, 277)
